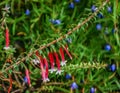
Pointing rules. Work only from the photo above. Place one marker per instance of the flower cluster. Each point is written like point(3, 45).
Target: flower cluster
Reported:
point(53, 58)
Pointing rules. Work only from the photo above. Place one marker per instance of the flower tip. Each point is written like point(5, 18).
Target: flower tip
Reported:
point(59, 72)
point(6, 48)
point(52, 70)
point(46, 80)
point(63, 63)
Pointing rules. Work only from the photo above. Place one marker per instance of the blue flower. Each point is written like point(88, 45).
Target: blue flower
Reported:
point(74, 85)
point(93, 8)
point(100, 15)
point(112, 67)
point(109, 9)
point(71, 5)
point(92, 90)
point(27, 12)
point(25, 79)
point(57, 22)
point(107, 47)
point(98, 26)
point(77, 1)
point(68, 76)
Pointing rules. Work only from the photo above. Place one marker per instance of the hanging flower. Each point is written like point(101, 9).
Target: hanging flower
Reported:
point(51, 58)
point(58, 63)
point(46, 69)
point(66, 50)
point(37, 53)
point(62, 56)
point(28, 77)
point(42, 71)
point(42, 68)
point(7, 40)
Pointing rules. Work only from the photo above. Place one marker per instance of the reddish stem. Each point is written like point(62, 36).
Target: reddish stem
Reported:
point(66, 50)
point(10, 84)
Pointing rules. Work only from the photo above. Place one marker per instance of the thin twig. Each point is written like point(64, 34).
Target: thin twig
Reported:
point(10, 87)
point(60, 38)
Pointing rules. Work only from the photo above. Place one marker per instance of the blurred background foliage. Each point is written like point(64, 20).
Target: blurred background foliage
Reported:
point(95, 47)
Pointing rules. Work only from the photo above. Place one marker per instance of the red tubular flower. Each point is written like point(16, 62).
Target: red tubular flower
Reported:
point(42, 67)
point(57, 62)
point(7, 40)
point(66, 50)
point(27, 76)
point(7, 37)
point(62, 56)
point(51, 58)
point(42, 71)
point(37, 53)
point(46, 67)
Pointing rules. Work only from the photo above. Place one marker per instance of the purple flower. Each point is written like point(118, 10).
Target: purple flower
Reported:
point(74, 85)
point(112, 67)
point(57, 22)
point(92, 90)
point(68, 76)
point(27, 12)
point(25, 79)
point(93, 8)
point(71, 5)
point(77, 1)
point(107, 47)
point(109, 9)
point(98, 26)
